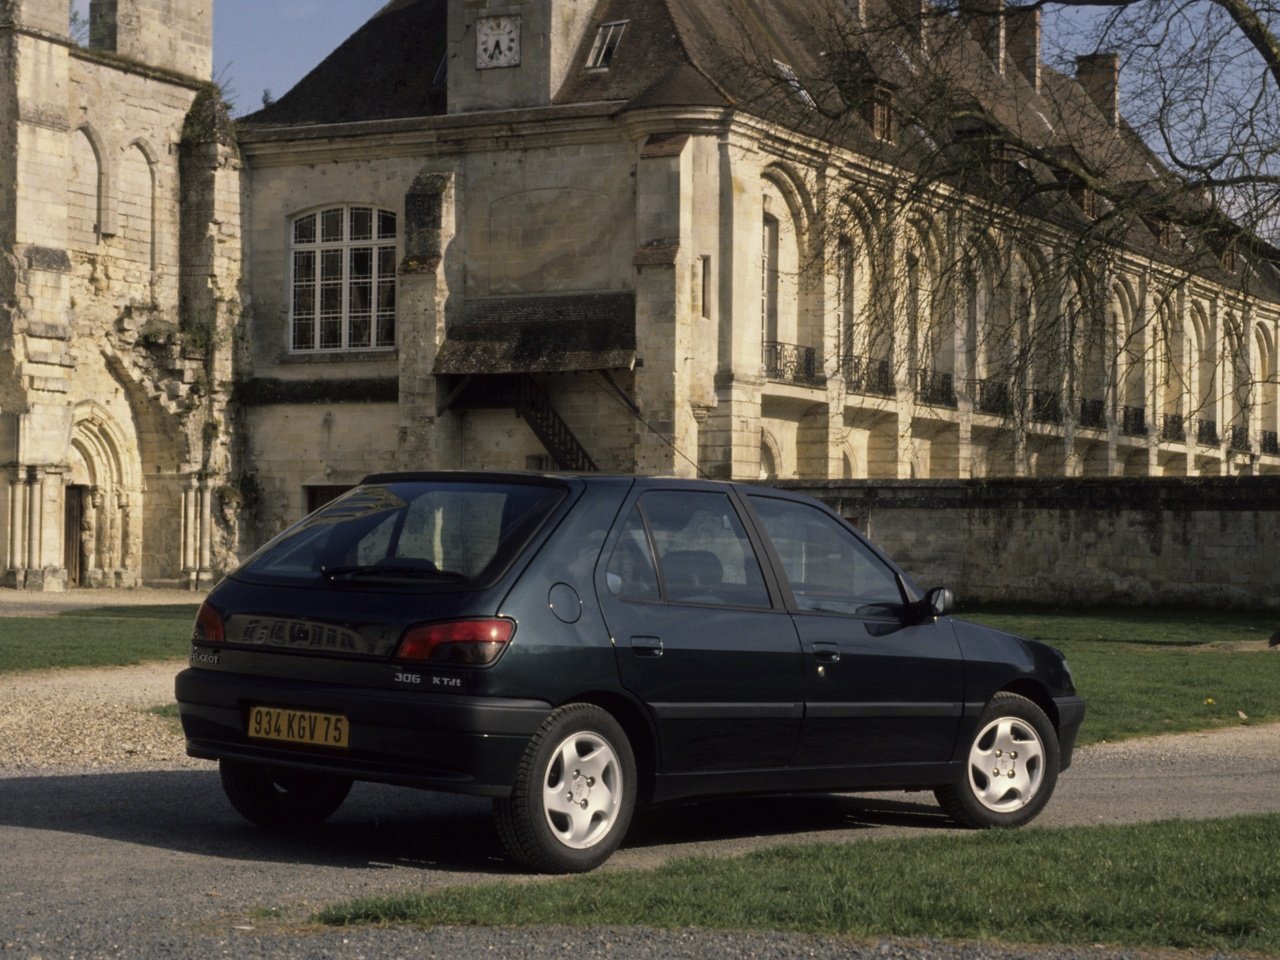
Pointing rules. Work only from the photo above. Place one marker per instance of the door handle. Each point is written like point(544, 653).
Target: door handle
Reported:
point(826, 652)
point(646, 646)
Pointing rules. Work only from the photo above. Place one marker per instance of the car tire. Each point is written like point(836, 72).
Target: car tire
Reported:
point(574, 793)
point(1010, 766)
point(280, 798)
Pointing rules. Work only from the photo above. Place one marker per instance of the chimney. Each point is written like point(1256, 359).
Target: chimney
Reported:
point(908, 16)
point(985, 22)
point(1022, 39)
point(1099, 74)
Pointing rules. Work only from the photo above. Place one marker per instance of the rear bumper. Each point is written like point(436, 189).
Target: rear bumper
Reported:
point(1070, 716)
point(444, 742)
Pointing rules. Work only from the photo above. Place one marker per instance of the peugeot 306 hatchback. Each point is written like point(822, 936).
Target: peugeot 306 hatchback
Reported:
point(572, 646)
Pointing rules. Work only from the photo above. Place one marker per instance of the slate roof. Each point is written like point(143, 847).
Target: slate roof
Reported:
point(547, 334)
point(385, 70)
point(722, 53)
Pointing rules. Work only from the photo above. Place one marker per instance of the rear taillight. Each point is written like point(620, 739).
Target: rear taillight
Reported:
point(475, 643)
point(208, 628)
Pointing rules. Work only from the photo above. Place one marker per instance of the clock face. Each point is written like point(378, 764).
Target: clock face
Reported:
point(497, 42)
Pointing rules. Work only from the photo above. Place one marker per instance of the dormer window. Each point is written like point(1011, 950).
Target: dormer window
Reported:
point(797, 88)
point(606, 45)
point(1161, 229)
point(1229, 258)
point(877, 110)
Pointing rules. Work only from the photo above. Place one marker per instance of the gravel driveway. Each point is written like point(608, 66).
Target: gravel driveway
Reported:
point(114, 844)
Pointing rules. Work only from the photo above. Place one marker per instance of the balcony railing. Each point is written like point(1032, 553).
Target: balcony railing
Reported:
point(1133, 422)
point(868, 376)
point(1046, 406)
point(935, 388)
point(792, 363)
point(1093, 413)
point(991, 396)
point(1173, 427)
point(1207, 432)
point(1270, 442)
point(1239, 439)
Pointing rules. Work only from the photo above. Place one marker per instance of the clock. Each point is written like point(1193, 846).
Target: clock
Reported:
point(497, 42)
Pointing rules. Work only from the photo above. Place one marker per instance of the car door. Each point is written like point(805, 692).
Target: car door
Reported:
point(877, 689)
point(699, 636)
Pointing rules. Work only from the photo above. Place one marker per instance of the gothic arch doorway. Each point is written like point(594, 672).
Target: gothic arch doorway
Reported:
point(101, 502)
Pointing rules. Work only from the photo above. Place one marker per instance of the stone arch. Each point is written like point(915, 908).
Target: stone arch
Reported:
point(770, 456)
point(1204, 368)
point(1131, 346)
point(927, 306)
point(1268, 389)
point(863, 319)
point(797, 273)
point(106, 474)
point(979, 287)
point(87, 191)
point(137, 205)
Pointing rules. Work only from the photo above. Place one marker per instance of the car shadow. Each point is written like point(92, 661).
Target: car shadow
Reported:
point(185, 811)
point(781, 817)
point(378, 826)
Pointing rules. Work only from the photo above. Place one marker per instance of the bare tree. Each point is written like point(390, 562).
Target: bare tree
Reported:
point(1061, 218)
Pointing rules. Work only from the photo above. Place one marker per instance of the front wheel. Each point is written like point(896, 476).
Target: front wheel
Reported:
point(281, 798)
point(1010, 769)
point(574, 793)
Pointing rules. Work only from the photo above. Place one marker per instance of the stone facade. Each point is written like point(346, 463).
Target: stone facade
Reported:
point(122, 256)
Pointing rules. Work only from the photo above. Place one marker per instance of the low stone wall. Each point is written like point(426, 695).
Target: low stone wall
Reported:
point(1207, 542)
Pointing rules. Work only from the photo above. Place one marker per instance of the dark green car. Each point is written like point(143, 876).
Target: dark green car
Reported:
point(574, 645)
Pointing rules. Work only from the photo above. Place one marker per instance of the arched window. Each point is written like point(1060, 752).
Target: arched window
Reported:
point(343, 293)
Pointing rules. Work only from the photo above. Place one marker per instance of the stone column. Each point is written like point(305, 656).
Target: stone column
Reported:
point(423, 291)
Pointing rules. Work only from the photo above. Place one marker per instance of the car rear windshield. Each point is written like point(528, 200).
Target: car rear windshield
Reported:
point(447, 534)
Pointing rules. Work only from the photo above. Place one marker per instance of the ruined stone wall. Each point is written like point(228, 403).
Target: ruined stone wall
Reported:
point(112, 446)
point(1205, 542)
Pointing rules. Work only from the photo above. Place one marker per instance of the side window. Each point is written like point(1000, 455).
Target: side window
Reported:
point(829, 568)
point(630, 572)
point(704, 555)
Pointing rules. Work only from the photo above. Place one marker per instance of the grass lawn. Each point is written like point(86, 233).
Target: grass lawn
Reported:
point(1212, 884)
point(97, 637)
point(1145, 672)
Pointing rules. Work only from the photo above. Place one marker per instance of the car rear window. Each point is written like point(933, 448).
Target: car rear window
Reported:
point(452, 534)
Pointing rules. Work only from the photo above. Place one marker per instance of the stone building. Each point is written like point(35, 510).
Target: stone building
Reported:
point(611, 250)
point(577, 234)
point(119, 212)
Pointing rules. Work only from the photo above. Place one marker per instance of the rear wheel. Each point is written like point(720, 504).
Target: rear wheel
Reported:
point(1010, 769)
point(278, 797)
point(574, 793)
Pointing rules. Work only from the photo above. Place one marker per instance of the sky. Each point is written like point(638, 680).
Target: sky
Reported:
point(272, 44)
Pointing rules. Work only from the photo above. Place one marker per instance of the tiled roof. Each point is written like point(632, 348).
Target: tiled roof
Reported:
point(548, 334)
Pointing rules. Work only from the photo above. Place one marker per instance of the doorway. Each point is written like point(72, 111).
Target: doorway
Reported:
point(73, 558)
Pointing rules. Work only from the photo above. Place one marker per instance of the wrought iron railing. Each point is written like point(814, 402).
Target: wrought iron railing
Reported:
point(1239, 439)
point(1173, 427)
point(1133, 422)
point(1207, 432)
point(1046, 406)
point(793, 363)
point(1093, 413)
point(991, 396)
point(867, 375)
point(1270, 442)
point(934, 387)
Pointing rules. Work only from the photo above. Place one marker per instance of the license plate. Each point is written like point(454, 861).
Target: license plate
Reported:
point(298, 726)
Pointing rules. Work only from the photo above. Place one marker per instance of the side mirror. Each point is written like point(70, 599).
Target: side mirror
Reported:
point(938, 602)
